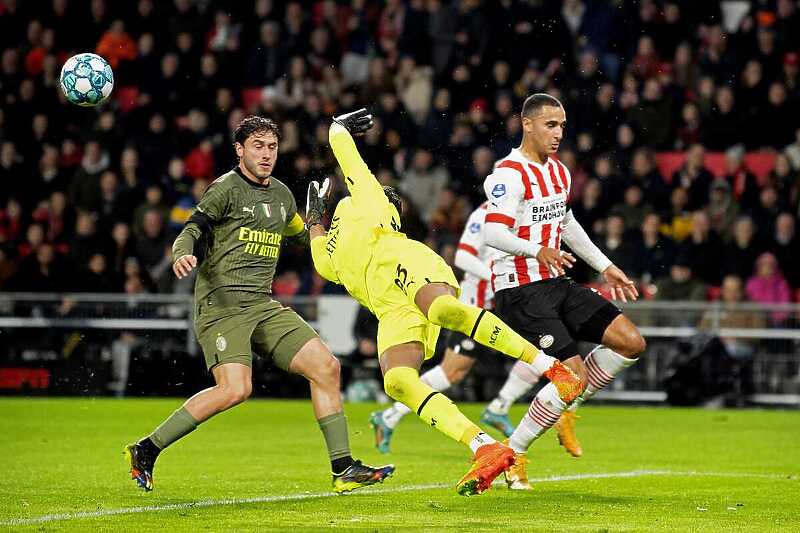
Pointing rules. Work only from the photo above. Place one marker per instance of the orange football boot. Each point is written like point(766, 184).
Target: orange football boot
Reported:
point(565, 429)
point(489, 462)
point(567, 383)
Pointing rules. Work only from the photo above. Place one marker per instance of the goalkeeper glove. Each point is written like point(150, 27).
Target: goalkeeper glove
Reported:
point(357, 122)
point(316, 202)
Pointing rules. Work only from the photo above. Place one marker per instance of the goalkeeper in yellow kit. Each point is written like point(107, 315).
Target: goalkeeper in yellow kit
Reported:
point(413, 293)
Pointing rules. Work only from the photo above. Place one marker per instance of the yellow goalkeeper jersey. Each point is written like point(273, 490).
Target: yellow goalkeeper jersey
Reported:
point(360, 220)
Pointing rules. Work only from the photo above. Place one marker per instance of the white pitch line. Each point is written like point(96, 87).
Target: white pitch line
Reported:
point(61, 517)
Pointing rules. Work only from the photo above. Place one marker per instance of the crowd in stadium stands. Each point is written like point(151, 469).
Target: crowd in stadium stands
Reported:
point(683, 135)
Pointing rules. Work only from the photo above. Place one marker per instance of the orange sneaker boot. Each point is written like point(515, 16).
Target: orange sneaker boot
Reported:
point(489, 462)
point(567, 383)
point(565, 429)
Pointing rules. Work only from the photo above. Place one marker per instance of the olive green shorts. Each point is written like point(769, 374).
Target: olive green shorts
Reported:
point(234, 334)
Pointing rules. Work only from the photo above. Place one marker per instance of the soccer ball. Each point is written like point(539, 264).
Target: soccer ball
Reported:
point(86, 79)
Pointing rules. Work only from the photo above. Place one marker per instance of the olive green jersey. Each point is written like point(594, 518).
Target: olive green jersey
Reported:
point(245, 225)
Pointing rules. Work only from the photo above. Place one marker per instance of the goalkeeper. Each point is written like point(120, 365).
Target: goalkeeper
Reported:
point(413, 293)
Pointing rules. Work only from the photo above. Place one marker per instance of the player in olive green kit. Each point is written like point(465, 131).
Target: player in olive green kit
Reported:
point(237, 231)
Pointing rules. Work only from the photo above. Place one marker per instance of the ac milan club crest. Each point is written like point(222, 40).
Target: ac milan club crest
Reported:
point(267, 210)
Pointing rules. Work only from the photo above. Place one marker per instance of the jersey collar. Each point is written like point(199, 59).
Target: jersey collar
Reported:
point(249, 181)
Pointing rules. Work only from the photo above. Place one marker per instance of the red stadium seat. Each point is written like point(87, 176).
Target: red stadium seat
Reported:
point(668, 163)
point(759, 163)
point(127, 97)
point(251, 97)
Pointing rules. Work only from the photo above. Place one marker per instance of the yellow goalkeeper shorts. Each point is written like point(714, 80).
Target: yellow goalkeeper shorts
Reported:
point(399, 268)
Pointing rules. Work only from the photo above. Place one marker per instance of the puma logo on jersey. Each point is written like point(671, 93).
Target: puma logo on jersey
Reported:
point(250, 210)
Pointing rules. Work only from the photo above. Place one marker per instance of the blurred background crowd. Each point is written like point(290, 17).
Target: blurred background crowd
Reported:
point(683, 135)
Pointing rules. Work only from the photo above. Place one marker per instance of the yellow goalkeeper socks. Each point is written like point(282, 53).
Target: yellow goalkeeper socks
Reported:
point(483, 326)
point(403, 384)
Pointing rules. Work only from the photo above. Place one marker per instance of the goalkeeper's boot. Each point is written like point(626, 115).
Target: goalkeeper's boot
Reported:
point(566, 382)
point(383, 433)
point(489, 462)
point(359, 475)
point(142, 464)
point(499, 422)
point(565, 429)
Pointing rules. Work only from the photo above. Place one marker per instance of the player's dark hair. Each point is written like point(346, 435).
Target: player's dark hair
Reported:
point(252, 125)
point(394, 197)
point(535, 102)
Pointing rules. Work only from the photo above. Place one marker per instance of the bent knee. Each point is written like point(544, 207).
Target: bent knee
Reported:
point(634, 345)
point(329, 368)
point(236, 394)
point(395, 382)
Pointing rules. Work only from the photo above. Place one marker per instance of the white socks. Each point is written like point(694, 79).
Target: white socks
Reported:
point(481, 439)
point(545, 410)
point(520, 380)
point(435, 377)
point(602, 363)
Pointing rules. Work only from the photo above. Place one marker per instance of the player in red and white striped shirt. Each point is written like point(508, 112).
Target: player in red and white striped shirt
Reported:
point(527, 218)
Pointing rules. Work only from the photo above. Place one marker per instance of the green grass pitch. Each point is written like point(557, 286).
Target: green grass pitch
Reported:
point(263, 467)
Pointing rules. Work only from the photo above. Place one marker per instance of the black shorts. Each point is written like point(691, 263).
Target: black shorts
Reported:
point(463, 345)
point(555, 314)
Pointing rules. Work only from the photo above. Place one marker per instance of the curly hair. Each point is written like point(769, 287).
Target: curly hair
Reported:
point(254, 124)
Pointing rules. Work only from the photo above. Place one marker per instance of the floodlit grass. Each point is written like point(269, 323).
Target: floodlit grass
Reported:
point(671, 470)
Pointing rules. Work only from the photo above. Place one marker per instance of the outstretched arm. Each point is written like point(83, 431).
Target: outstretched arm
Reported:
point(360, 182)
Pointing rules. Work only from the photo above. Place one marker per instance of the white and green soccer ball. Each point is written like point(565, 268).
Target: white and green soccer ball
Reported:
point(86, 79)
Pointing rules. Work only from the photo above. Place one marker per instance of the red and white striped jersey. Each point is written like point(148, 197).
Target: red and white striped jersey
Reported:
point(474, 290)
point(531, 199)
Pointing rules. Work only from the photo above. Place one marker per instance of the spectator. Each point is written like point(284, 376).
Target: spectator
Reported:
point(43, 271)
point(121, 249)
point(633, 208)
point(731, 316)
point(116, 45)
point(644, 172)
point(690, 126)
point(652, 116)
point(615, 245)
point(785, 245)
point(655, 253)
point(423, 182)
point(786, 181)
point(722, 128)
point(87, 240)
point(153, 200)
point(702, 250)
point(153, 247)
point(589, 210)
point(765, 213)
point(792, 151)
point(768, 286)
point(694, 177)
point(743, 182)
point(681, 284)
point(678, 219)
point(722, 209)
point(740, 254)
point(94, 276)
